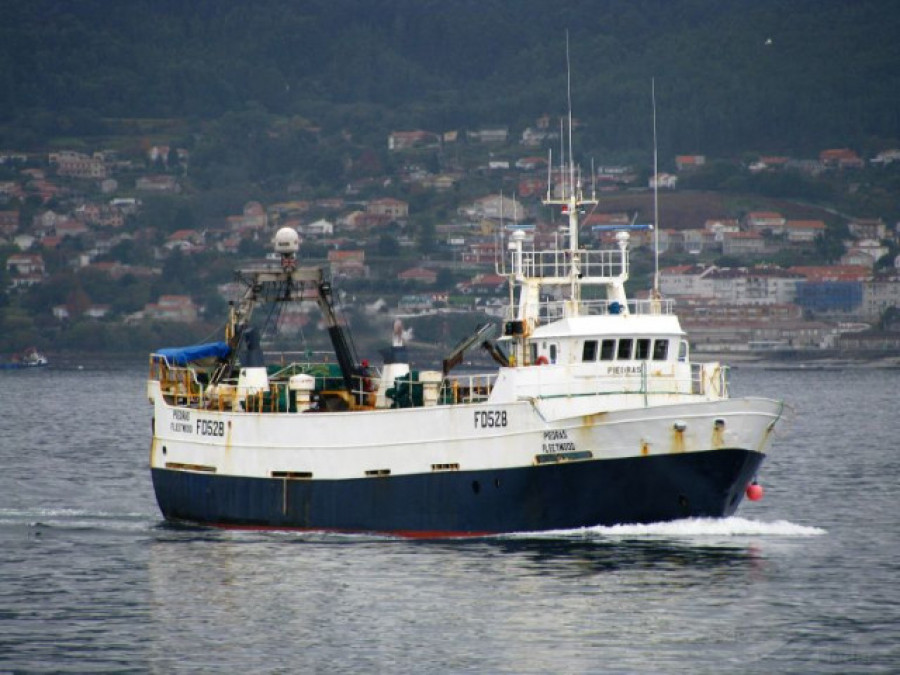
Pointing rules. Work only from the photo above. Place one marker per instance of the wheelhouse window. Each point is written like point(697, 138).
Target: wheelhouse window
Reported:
point(642, 349)
point(623, 353)
point(589, 351)
point(660, 350)
point(683, 351)
point(607, 350)
point(553, 353)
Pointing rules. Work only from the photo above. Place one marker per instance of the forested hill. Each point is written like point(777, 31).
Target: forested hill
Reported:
point(731, 75)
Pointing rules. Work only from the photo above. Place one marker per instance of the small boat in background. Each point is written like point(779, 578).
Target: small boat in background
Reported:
point(30, 358)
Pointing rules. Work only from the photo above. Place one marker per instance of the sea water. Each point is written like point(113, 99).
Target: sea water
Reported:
point(92, 579)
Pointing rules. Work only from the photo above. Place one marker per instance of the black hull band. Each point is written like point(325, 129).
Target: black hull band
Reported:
point(459, 503)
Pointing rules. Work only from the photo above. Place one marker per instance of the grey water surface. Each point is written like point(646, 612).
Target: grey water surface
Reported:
point(92, 579)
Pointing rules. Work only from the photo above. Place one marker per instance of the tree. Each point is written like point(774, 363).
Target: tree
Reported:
point(831, 244)
point(178, 275)
point(77, 302)
point(17, 329)
point(184, 218)
point(886, 261)
point(425, 226)
point(388, 246)
point(728, 261)
point(445, 280)
point(158, 211)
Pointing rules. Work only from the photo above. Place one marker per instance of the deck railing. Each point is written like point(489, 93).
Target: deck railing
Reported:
point(178, 383)
point(557, 263)
point(182, 386)
point(467, 388)
point(551, 310)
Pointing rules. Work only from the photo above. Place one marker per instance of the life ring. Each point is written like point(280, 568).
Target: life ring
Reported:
point(542, 361)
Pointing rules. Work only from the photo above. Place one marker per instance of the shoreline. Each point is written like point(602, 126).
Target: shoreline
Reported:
point(801, 359)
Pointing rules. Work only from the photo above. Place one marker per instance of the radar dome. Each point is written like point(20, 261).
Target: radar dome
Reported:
point(287, 241)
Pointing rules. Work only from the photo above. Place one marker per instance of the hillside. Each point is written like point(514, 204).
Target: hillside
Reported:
point(148, 147)
point(789, 76)
point(685, 209)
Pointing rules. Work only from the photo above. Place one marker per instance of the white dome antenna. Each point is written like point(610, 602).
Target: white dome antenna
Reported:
point(287, 241)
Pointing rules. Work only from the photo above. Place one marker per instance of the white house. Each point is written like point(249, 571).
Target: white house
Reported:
point(665, 181)
point(319, 228)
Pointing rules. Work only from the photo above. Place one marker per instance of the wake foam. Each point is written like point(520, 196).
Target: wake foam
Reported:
point(65, 513)
point(72, 519)
point(692, 528)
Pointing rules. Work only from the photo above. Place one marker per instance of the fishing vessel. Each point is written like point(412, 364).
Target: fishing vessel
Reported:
point(30, 358)
point(594, 415)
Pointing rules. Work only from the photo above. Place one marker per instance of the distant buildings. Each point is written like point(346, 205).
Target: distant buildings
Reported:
point(489, 135)
point(419, 275)
point(841, 292)
point(688, 162)
point(407, 140)
point(395, 209)
point(742, 286)
point(841, 158)
point(349, 264)
point(25, 269)
point(663, 181)
point(78, 165)
point(160, 184)
point(176, 308)
point(367, 215)
point(765, 221)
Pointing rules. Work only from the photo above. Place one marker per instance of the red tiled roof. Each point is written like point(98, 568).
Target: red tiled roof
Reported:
point(833, 272)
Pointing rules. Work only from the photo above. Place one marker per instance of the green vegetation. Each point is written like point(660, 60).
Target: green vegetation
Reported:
point(772, 75)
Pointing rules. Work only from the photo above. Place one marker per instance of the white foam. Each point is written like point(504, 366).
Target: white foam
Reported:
point(692, 528)
point(66, 513)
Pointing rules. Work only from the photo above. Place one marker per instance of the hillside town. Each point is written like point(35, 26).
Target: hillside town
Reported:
point(66, 214)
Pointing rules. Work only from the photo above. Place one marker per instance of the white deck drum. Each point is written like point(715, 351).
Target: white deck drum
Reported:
point(303, 387)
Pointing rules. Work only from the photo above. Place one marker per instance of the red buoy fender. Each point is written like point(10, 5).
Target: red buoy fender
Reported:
point(541, 361)
point(754, 492)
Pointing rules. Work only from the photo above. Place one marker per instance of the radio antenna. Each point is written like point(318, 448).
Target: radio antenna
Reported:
point(569, 102)
point(655, 195)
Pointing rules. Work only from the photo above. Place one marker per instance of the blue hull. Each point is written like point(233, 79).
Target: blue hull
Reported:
point(459, 503)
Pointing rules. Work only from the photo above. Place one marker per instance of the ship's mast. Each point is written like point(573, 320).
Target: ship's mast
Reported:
point(565, 268)
point(572, 200)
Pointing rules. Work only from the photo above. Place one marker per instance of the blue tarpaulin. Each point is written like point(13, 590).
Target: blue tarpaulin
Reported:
point(181, 356)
